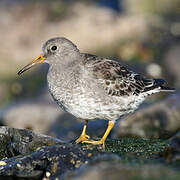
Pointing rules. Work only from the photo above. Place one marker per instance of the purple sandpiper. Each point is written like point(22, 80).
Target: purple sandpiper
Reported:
point(92, 87)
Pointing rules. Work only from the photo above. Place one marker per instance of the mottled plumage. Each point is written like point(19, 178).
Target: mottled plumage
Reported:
point(92, 87)
point(119, 80)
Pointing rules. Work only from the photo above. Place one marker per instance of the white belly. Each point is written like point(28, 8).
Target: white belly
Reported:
point(84, 105)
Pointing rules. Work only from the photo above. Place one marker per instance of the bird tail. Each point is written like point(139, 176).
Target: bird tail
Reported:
point(167, 89)
point(156, 85)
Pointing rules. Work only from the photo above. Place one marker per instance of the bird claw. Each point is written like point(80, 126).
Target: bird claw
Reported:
point(100, 142)
point(88, 137)
point(83, 138)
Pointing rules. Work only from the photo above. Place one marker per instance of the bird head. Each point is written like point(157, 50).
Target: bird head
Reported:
point(54, 52)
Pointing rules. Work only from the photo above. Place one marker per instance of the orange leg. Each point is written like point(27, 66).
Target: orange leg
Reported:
point(103, 139)
point(84, 136)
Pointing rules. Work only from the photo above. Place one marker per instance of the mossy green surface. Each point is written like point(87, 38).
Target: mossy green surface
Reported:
point(140, 159)
point(136, 147)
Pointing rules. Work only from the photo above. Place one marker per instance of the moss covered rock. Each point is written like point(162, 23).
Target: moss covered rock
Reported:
point(25, 154)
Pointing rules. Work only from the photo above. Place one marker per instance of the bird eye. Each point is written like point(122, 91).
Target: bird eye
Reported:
point(53, 48)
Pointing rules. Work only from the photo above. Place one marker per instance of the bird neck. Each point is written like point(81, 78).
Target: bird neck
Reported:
point(64, 63)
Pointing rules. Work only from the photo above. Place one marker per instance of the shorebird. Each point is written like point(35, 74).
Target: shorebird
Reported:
point(92, 87)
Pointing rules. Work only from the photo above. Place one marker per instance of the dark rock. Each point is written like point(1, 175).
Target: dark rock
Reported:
point(172, 152)
point(175, 142)
point(49, 161)
point(25, 154)
point(159, 120)
point(20, 141)
point(117, 170)
point(93, 170)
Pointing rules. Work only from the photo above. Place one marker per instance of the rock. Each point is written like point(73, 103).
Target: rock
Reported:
point(99, 168)
point(172, 152)
point(117, 170)
point(175, 142)
point(26, 155)
point(29, 155)
point(46, 162)
point(159, 120)
point(35, 114)
point(139, 149)
point(20, 141)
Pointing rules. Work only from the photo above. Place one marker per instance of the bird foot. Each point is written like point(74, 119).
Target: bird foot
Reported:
point(100, 142)
point(83, 138)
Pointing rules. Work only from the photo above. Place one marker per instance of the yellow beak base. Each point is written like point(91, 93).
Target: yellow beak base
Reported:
point(40, 59)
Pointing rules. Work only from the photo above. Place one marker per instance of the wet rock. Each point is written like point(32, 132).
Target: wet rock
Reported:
point(46, 162)
point(20, 141)
point(131, 149)
point(25, 154)
point(172, 152)
point(93, 170)
point(160, 120)
point(175, 142)
point(117, 170)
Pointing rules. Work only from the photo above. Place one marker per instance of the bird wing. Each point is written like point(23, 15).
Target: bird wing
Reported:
point(117, 79)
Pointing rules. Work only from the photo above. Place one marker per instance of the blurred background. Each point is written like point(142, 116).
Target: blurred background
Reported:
point(144, 34)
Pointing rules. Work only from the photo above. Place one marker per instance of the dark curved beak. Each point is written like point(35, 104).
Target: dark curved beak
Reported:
point(40, 59)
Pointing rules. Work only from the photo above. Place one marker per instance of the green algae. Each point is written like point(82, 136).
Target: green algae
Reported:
point(136, 147)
